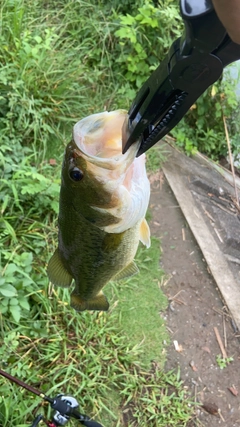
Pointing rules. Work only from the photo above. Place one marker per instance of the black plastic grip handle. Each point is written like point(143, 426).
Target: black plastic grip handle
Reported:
point(204, 31)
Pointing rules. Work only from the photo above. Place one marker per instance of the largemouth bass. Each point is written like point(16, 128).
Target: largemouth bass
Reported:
point(103, 201)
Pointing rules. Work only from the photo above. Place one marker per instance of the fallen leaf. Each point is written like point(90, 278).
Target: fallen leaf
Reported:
point(178, 347)
point(211, 408)
point(233, 390)
point(206, 349)
point(193, 366)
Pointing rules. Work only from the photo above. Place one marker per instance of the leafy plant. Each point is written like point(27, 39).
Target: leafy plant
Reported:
point(203, 129)
point(223, 361)
point(17, 285)
point(29, 188)
point(8, 348)
point(26, 192)
point(145, 38)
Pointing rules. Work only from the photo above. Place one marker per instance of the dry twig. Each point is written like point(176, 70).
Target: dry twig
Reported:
point(208, 214)
point(220, 343)
point(217, 233)
point(220, 414)
point(183, 234)
point(224, 332)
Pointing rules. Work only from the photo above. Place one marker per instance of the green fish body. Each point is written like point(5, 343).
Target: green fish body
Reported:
point(103, 200)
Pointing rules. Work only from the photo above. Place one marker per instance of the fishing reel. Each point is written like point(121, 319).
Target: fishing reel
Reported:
point(60, 417)
point(65, 407)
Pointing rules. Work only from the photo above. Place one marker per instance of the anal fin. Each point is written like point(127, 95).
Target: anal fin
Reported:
point(128, 271)
point(57, 273)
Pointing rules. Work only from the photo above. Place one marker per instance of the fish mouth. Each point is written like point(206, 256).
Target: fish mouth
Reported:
point(99, 139)
point(116, 183)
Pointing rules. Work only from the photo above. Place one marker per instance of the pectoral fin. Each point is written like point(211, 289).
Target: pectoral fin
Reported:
point(130, 270)
point(99, 302)
point(145, 233)
point(57, 273)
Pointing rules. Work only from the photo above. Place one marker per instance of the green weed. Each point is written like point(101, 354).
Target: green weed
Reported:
point(144, 39)
point(140, 302)
point(202, 128)
point(223, 361)
point(156, 157)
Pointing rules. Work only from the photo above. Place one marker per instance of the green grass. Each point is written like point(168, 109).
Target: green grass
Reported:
point(86, 355)
point(140, 302)
point(60, 62)
point(100, 358)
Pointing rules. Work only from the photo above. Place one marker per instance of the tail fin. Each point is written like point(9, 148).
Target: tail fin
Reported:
point(99, 302)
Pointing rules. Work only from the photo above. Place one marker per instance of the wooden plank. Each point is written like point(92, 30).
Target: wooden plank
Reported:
point(228, 176)
point(215, 259)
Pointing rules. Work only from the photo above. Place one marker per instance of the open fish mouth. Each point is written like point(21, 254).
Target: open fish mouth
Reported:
point(99, 139)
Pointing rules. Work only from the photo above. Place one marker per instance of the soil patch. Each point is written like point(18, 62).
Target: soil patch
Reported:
point(195, 309)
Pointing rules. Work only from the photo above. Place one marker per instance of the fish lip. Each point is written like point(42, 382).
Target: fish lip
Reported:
point(105, 162)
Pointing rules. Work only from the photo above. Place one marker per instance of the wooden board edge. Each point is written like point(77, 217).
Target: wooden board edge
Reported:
point(215, 259)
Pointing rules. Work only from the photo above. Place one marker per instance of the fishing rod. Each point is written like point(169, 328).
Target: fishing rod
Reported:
point(65, 407)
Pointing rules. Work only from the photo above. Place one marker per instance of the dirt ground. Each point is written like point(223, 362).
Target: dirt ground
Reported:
point(195, 309)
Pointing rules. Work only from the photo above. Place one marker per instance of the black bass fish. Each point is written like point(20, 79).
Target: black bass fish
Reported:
point(103, 201)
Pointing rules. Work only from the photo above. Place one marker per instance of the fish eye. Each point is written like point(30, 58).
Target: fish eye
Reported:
point(76, 174)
